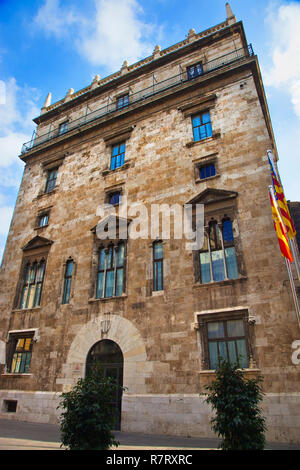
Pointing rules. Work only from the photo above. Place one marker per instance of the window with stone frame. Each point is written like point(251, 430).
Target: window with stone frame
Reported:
point(111, 270)
point(63, 127)
point(19, 352)
point(117, 155)
point(32, 284)
point(42, 219)
point(226, 335)
point(194, 71)
point(69, 268)
point(122, 101)
point(217, 257)
point(32, 273)
point(51, 180)
point(158, 258)
point(202, 127)
point(220, 256)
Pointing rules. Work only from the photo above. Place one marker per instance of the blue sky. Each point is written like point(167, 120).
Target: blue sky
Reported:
point(54, 45)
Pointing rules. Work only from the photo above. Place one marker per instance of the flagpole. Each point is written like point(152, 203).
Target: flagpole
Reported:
point(294, 293)
point(295, 256)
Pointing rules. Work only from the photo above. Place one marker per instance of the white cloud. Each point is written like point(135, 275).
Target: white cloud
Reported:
point(54, 19)
point(284, 73)
point(16, 113)
point(116, 37)
point(114, 33)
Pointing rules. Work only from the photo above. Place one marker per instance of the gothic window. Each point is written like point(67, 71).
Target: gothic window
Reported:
point(110, 274)
point(158, 266)
point(217, 258)
point(67, 281)
point(51, 180)
point(32, 285)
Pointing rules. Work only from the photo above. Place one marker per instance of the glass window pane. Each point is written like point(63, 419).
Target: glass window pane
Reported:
point(158, 276)
point(218, 265)
point(101, 259)
point(27, 344)
point(227, 231)
point(27, 363)
point(24, 297)
point(213, 354)
point(69, 268)
point(222, 350)
point(208, 130)
point(119, 285)
point(37, 298)
point(232, 352)
point(109, 258)
point(205, 268)
point(235, 328)
point(99, 290)
point(115, 150)
point(32, 272)
point(31, 295)
point(40, 272)
point(67, 288)
point(158, 250)
point(113, 163)
point(196, 121)
point(202, 132)
point(120, 254)
point(109, 284)
point(215, 329)
point(242, 353)
point(231, 263)
point(196, 134)
point(22, 363)
point(205, 118)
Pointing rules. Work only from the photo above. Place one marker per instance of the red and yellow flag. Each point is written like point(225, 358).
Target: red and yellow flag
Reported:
point(282, 203)
point(281, 231)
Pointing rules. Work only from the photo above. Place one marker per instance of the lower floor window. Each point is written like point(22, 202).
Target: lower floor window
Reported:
point(226, 340)
point(20, 354)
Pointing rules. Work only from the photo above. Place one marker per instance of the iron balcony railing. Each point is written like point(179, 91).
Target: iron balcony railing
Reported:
point(157, 87)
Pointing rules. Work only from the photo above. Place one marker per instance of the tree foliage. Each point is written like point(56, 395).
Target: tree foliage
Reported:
point(235, 400)
point(87, 419)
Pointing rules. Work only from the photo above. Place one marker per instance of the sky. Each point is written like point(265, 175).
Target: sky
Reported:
point(54, 45)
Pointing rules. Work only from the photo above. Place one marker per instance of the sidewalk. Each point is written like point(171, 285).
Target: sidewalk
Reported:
point(19, 435)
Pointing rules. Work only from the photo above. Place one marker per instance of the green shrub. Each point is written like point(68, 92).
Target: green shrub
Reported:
point(87, 419)
point(235, 400)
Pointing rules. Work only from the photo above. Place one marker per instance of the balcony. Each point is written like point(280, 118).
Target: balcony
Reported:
point(156, 88)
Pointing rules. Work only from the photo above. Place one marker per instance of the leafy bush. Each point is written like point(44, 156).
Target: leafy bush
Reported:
point(88, 417)
point(235, 400)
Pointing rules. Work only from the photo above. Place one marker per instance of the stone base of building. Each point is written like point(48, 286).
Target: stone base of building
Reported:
point(180, 415)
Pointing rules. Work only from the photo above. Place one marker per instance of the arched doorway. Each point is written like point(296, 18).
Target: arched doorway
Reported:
point(109, 356)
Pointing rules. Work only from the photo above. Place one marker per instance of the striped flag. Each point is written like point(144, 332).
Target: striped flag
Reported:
point(280, 198)
point(280, 228)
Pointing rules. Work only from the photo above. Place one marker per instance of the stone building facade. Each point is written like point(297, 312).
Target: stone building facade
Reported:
point(186, 125)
